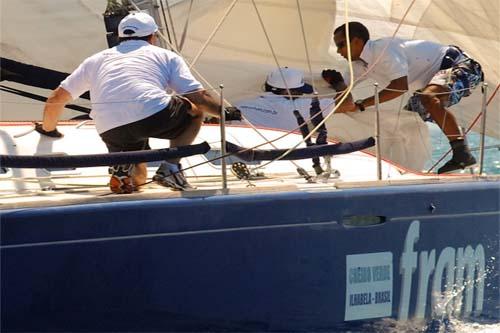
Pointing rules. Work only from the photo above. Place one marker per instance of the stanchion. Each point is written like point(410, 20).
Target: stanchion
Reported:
point(483, 127)
point(223, 138)
point(377, 133)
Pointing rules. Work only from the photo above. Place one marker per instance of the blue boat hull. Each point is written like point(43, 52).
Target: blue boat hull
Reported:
point(259, 262)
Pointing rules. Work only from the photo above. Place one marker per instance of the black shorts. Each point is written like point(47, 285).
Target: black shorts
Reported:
point(168, 123)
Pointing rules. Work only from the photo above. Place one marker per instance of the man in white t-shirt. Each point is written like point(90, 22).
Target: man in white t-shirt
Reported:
point(128, 86)
point(439, 75)
point(284, 107)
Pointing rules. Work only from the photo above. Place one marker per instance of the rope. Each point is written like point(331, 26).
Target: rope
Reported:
point(212, 35)
point(342, 98)
point(173, 26)
point(305, 44)
point(273, 53)
point(259, 133)
point(165, 20)
point(303, 31)
point(184, 32)
point(370, 68)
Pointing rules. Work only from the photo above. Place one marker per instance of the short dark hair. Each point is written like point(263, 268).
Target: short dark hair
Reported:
point(145, 38)
point(356, 29)
point(281, 91)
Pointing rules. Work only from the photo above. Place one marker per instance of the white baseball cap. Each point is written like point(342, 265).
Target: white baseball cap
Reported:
point(137, 25)
point(294, 79)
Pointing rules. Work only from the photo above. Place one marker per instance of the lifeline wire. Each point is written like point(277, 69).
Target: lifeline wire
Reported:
point(342, 99)
point(351, 82)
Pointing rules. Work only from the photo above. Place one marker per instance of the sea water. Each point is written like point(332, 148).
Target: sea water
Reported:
point(441, 146)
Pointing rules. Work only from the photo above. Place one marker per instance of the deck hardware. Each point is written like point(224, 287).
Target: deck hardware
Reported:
point(432, 207)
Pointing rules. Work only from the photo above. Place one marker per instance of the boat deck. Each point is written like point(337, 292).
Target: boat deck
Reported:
point(64, 191)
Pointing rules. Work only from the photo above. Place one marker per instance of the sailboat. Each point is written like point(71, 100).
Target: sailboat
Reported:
point(267, 250)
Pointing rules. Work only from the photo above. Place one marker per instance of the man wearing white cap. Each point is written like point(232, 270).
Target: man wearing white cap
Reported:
point(283, 107)
point(274, 108)
point(130, 104)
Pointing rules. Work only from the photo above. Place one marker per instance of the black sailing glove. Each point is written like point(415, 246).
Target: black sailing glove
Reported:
point(232, 113)
point(333, 77)
point(53, 134)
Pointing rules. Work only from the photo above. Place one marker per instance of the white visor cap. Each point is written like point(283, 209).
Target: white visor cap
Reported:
point(294, 79)
point(137, 25)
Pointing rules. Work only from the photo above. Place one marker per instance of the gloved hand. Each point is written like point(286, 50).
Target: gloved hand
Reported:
point(332, 76)
point(232, 113)
point(53, 134)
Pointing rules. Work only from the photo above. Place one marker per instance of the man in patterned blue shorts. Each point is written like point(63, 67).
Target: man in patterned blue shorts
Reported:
point(440, 75)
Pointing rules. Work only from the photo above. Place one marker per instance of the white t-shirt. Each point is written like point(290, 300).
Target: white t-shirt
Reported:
point(419, 60)
point(128, 82)
point(276, 111)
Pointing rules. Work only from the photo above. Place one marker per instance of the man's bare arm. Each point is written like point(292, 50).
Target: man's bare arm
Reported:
point(395, 89)
point(54, 107)
point(400, 85)
point(203, 100)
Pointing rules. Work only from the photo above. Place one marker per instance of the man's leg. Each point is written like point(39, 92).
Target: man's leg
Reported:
point(170, 174)
point(433, 98)
point(140, 174)
point(191, 131)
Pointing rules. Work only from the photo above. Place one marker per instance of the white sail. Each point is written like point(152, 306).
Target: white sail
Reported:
point(59, 34)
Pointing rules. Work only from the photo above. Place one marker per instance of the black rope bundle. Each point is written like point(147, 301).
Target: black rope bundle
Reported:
point(301, 153)
point(79, 161)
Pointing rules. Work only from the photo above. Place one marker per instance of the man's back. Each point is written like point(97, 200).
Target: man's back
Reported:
point(276, 111)
point(419, 60)
point(128, 82)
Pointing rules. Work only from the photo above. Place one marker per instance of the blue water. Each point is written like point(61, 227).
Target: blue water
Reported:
point(440, 146)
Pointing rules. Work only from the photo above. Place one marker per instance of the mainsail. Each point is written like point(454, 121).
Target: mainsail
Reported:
point(238, 42)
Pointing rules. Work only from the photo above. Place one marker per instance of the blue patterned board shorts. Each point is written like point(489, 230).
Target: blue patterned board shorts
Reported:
point(459, 74)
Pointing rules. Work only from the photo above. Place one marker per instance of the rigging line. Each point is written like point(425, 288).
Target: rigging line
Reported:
point(184, 32)
point(41, 98)
point(371, 66)
point(165, 20)
point(342, 98)
point(468, 129)
point(267, 140)
point(173, 26)
point(346, 92)
point(212, 35)
point(305, 45)
point(176, 50)
point(289, 132)
point(273, 53)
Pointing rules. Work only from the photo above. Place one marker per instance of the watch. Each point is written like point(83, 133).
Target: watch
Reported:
point(360, 105)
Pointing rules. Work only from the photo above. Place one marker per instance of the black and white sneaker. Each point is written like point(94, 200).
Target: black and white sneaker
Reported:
point(171, 175)
point(121, 179)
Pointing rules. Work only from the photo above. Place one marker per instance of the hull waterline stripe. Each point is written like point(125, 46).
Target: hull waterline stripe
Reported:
point(166, 234)
point(431, 217)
